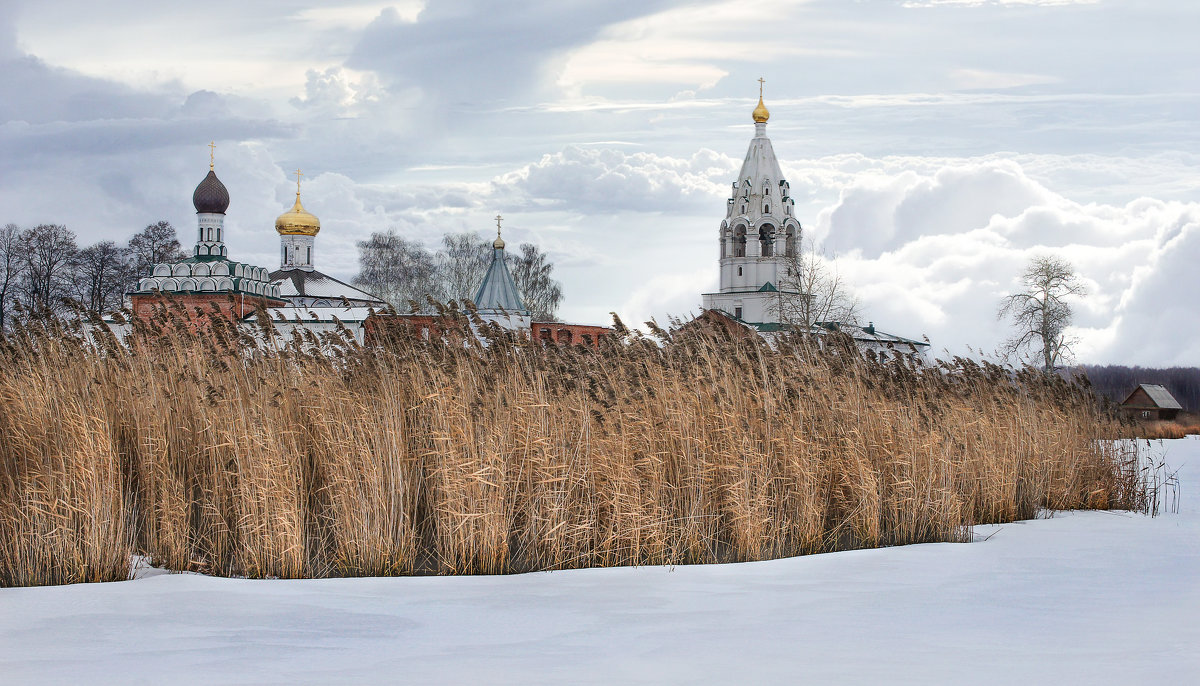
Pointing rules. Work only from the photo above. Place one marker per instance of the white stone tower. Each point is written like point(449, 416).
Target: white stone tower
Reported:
point(759, 236)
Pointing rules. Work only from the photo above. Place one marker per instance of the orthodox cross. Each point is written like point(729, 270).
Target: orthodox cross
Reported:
point(212, 154)
point(761, 81)
point(498, 218)
point(298, 175)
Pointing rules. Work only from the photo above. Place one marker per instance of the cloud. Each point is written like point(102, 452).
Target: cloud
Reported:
point(589, 180)
point(470, 52)
point(935, 251)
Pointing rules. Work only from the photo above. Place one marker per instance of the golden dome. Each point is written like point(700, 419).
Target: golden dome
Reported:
point(297, 221)
point(498, 243)
point(761, 113)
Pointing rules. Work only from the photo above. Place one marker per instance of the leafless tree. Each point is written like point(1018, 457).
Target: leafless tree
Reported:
point(102, 273)
point(47, 280)
point(462, 263)
point(12, 266)
point(397, 270)
point(1041, 313)
point(155, 244)
point(811, 290)
point(540, 293)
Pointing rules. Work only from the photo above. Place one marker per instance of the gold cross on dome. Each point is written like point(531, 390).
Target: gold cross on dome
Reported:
point(212, 154)
point(761, 81)
point(298, 175)
point(498, 218)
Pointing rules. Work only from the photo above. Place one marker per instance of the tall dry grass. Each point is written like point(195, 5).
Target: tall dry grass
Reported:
point(207, 450)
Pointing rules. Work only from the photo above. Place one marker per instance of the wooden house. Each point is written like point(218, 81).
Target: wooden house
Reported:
point(1151, 401)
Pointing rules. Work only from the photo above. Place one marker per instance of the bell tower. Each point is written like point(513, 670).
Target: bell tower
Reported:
point(759, 236)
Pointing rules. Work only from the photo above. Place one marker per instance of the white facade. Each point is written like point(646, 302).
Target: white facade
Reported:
point(210, 238)
point(758, 234)
point(296, 252)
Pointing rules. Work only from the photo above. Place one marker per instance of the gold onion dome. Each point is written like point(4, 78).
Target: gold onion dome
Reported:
point(498, 243)
point(297, 221)
point(761, 113)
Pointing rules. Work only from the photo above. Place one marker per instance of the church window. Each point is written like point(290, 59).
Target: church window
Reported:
point(766, 209)
point(739, 242)
point(218, 234)
point(210, 233)
point(739, 271)
point(789, 248)
point(309, 253)
point(737, 312)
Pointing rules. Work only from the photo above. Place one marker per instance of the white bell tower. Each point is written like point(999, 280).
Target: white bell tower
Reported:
point(759, 235)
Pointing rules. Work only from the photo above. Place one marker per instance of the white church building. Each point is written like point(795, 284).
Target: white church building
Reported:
point(760, 239)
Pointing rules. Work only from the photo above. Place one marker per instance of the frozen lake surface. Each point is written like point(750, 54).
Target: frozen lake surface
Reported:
point(1080, 598)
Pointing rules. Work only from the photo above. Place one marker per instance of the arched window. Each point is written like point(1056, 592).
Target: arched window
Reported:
point(766, 239)
point(724, 238)
point(789, 247)
point(739, 242)
point(309, 253)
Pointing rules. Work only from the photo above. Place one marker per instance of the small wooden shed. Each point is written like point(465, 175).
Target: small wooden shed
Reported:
point(1151, 401)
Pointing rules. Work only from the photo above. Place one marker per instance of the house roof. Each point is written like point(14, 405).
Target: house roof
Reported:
point(1159, 395)
point(302, 283)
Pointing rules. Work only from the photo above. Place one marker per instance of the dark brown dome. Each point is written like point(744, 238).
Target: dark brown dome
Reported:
point(211, 196)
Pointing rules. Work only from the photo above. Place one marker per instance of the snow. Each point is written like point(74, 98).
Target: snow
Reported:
point(1094, 597)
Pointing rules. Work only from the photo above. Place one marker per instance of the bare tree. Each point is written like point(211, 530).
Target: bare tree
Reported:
point(48, 253)
point(1041, 313)
point(155, 244)
point(539, 291)
point(811, 291)
point(397, 270)
point(462, 263)
point(12, 266)
point(103, 271)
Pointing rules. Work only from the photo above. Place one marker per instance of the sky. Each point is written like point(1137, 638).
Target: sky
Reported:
point(933, 146)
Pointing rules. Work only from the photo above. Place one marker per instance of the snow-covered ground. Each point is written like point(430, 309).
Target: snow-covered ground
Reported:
point(1081, 598)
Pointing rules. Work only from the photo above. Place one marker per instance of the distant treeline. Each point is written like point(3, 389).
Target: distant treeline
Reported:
point(1118, 381)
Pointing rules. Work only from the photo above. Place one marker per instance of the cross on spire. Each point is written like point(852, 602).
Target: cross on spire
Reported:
point(761, 81)
point(298, 175)
point(498, 219)
point(212, 154)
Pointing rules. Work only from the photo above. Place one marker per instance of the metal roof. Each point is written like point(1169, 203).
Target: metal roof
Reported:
point(1159, 395)
point(295, 283)
point(498, 290)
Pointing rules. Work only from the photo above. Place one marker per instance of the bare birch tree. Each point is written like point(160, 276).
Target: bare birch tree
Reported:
point(462, 263)
point(540, 292)
point(811, 291)
point(398, 271)
point(1041, 313)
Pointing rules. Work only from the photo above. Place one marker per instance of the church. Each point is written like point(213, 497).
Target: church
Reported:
point(298, 296)
point(760, 253)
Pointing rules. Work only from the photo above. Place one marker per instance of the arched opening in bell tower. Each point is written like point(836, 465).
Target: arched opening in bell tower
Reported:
point(766, 239)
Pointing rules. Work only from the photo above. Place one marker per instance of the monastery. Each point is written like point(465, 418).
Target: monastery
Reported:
point(759, 241)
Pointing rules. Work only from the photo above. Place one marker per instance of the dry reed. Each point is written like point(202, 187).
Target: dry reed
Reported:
point(207, 450)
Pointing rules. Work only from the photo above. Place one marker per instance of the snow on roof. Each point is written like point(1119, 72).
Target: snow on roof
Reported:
point(317, 314)
point(314, 284)
point(1161, 396)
